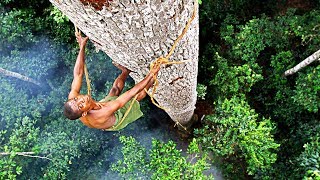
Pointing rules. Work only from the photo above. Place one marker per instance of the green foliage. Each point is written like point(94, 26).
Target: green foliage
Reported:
point(58, 26)
point(15, 29)
point(27, 108)
point(279, 63)
point(6, 1)
point(22, 139)
point(68, 144)
point(305, 26)
point(35, 62)
point(24, 135)
point(236, 131)
point(9, 168)
point(308, 89)
point(309, 159)
point(134, 163)
point(269, 47)
point(250, 57)
point(171, 157)
point(62, 149)
point(58, 17)
point(164, 161)
point(213, 13)
point(232, 80)
point(201, 91)
point(252, 39)
point(134, 158)
point(19, 104)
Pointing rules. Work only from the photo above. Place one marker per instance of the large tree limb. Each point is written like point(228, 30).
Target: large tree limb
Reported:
point(315, 56)
point(27, 154)
point(19, 76)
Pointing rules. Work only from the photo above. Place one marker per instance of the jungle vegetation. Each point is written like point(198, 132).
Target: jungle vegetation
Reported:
point(263, 125)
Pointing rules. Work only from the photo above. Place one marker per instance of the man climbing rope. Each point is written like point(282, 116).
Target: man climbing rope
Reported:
point(115, 111)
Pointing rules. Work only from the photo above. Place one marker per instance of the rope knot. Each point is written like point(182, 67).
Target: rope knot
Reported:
point(158, 62)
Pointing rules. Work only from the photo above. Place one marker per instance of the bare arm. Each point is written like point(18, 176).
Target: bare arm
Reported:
point(78, 68)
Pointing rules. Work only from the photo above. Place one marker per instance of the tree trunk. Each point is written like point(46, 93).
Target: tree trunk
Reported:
point(134, 33)
point(19, 76)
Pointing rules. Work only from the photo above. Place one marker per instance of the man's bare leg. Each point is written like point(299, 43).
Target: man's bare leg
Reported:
point(118, 84)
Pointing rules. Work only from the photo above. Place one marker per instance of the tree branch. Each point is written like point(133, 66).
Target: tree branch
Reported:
point(19, 76)
point(304, 63)
point(26, 154)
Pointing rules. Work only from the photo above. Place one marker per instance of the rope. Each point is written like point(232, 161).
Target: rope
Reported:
point(87, 79)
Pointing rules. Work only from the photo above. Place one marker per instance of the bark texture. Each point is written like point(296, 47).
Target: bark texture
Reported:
point(134, 33)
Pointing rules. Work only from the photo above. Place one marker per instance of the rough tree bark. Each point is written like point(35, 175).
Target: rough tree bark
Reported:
point(134, 33)
point(19, 76)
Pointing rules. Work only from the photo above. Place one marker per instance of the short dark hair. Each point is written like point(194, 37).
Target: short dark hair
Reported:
point(70, 113)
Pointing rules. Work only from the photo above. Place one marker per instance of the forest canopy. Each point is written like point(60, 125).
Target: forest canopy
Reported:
point(263, 125)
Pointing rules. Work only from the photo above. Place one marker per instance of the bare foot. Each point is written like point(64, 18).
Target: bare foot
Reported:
point(122, 68)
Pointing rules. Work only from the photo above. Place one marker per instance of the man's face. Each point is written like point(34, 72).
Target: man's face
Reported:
point(80, 103)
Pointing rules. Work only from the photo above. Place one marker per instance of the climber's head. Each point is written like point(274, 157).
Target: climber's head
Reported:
point(78, 106)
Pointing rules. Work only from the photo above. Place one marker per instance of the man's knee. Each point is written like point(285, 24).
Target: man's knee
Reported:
point(114, 91)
